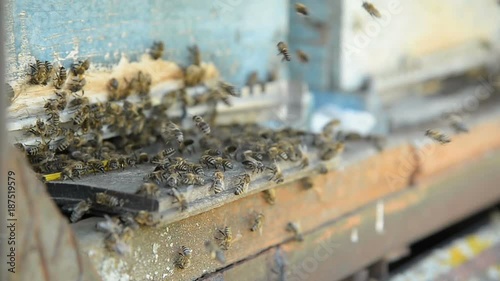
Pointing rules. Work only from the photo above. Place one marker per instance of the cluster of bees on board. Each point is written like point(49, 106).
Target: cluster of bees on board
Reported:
point(79, 148)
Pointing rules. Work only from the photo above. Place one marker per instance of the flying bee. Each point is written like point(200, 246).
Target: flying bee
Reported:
point(201, 124)
point(228, 89)
point(102, 198)
point(215, 252)
point(147, 218)
point(187, 146)
point(242, 183)
point(276, 173)
point(149, 189)
point(304, 161)
point(113, 92)
point(283, 49)
point(80, 209)
point(225, 238)
point(156, 51)
point(224, 163)
point(303, 57)
point(128, 221)
point(330, 127)
point(180, 198)
point(173, 129)
point(257, 224)
point(113, 242)
point(270, 195)
point(76, 84)
point(457, 124)
point(370, 8)
point(80, 67)
point(218, 182)
point(301, 9)
point(184, 258)
point(295, 229)
point(331, 150)
point(307, 183)
point(195, 53)
point(60, 78)
point(109, 225)
point(192, 179)
point(437, 136)
point(208, 161)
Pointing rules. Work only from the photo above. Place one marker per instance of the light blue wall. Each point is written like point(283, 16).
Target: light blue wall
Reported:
point(238, 36)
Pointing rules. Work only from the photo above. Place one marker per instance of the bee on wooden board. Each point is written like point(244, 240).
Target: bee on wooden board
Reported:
point(60, 78)
point(283, 50)
point(102, 198)
point(218, 182)
point(302, 56)
point(183, 260)
point(330, 127)
point(76, 84)
point(40, 72)
point(437, 136)
point(149, 190)
point(215, 251)
point(180, 198)
point(276, 173)
point(195, 54)
point(242, 183)
point(301, 9)
point(228, 89)
point(371, 9)
point(157, 49)
point(115, 243)
point(270, 196)
point(80, 67)
point(193, 179)
point(80, 209)
point(307, 183)
point(295, 229)
point(225, 237)
point(112, 87)
point(257, 223)
point(147, 218)
point(331, 150)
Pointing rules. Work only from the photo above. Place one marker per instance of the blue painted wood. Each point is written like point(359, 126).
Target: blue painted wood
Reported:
point(238, 36)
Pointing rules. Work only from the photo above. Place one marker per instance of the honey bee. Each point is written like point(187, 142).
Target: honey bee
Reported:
point(173, 129)
point(147, 218)
point(223, 163)
point(143, 158)
point(330, 127)
point(80, 67)
point(95, 165)
point(158, 177)
point(102, 198)
point(128, 221)
point(228, 89)
point(295, 229)
point(370, 8)
point(252, 164)
point(61, 100)
point(156, 51)
point(213, 152)
point(270, 195)
point(60, 78)
point(225, 238)
point(65, 142)
point(39, 72)
point(277, 174)
point(437, 136)
point(187, 146)
point(70, 172)
point(115, 243)
point(192, 179)
point(274, 152)
point(218, 182)
point(242, 183)
point(193, 76)
point(201, 124)
point(208, 161)
point(457, 124)
point(194, 51)
point(81, 115)
point(307, 183)
point(76, 84)
point(113, 92)
point(257, 224)
point(108, 225)
point(196, 169)
point(304, 161)
point(215, 252)
point(141, 84)
point(184, 258)
point(252, 80)
point(149, 189)
point(78, 102)
point(283, 49)
point(331, 150)
point(180, 198)
point(301, 9)
point(80, 209)
point(303, 57)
